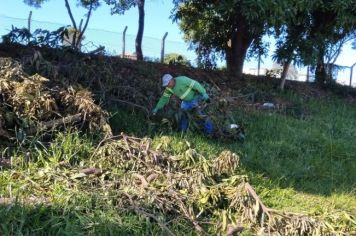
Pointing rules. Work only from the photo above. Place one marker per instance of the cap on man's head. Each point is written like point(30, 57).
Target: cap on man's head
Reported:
point(165, 79)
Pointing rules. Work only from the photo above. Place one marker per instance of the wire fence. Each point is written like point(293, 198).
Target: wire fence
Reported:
point(151, 47)
point(112, 41)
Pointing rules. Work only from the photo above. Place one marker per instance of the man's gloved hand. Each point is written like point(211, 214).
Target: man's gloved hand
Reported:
point(154, 111)
point(206, 97)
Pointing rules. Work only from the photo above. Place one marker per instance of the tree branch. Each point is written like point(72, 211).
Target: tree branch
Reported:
point(338, 50)
point(54, 123)
point(70, 14)
point(73, 22)
point(85, 25)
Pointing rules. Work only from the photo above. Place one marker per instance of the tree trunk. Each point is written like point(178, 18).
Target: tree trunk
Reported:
point(141, 26)
point(329, 73)
point(284, 72)
point(320, 72)
point(236, 52)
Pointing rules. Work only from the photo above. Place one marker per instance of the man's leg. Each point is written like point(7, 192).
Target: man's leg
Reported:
point(207, 124)
point(183, 122)
point(186, 106)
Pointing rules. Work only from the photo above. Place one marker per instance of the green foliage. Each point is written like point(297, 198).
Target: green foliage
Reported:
point(316, 34)
point(215, 28)
point(17, 35)
point(84, 3)
point(120, 6)
point(176, 59)
point(34, 3)
point(90, 5)
point(291, 34)
point(306, 32)
point(39, 37)
point(331, 22)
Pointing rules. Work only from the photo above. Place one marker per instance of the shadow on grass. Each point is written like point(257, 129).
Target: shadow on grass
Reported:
point(18, 219)
point(46, 220)
point(316, 155)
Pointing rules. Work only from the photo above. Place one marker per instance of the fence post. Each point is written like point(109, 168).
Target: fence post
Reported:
point(259, 64)
point(162, 46)
point(123, 42)
point(29, 22)
point(29, 26)
point(351, 70)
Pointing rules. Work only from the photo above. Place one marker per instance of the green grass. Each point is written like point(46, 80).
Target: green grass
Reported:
point(304, 165)
point(64, 220)
point(299, 165)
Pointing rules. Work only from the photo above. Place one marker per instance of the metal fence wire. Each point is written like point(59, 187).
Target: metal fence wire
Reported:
point(112, 41)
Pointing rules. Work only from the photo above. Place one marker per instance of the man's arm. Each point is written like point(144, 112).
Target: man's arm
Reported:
point(199, 88)
point(163, 100)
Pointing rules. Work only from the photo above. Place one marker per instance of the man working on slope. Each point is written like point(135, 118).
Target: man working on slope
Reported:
point(190, 92)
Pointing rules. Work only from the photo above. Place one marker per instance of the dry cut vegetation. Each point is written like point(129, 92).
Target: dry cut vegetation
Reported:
point(33, 104)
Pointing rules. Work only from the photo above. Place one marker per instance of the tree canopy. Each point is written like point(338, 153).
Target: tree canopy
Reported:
point(316, 34)
point(332, 21)
point(307, 31)
point(227, 29)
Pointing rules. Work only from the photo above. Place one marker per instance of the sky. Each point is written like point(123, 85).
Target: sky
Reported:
point(106, 29)
point(157, 16)
point(157, 22)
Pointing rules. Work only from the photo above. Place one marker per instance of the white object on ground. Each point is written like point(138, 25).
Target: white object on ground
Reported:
point(268, 105)
point(234, 126)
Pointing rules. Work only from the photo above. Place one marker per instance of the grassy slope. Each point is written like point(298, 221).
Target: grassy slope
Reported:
point(299, 165)
point(303, 165)
point(296, 165)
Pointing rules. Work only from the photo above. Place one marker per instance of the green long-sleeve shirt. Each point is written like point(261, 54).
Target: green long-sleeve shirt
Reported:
point(185, 88)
